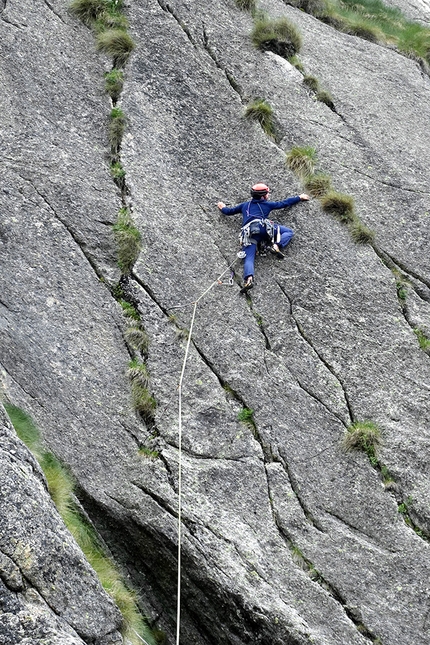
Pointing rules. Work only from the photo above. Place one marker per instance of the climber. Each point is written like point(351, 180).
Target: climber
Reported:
point(257, 228)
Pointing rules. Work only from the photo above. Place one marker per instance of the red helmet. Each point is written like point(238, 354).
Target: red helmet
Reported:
point(259, 190)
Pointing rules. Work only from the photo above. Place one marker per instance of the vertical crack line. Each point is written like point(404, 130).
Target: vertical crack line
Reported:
point(321, 358)
point(266, 450)
point(259, 321)
point(296, 489)
point(168, 9)
point(306, 565)
point(228, 74)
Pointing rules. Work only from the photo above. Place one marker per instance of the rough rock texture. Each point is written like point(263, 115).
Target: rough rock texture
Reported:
point(286, 538)
point(416, 10)
point(48, 592)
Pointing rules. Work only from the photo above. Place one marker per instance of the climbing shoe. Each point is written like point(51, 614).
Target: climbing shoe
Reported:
point(275, 250)
point(248, 285)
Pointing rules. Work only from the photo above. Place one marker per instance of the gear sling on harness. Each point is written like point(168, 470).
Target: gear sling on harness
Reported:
point(257, 226)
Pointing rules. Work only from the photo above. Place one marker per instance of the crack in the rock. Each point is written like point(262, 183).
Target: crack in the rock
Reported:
point(321, 358)
point(316, 398)
point(3, 4)
point(259, 321)
point(250, 567)
point(168, 9)
point(202, 457)
point(266, 451)
point(378, 180)
point(80, 243)
point(169, 473)
point(304, 564)
point(296, 489)
point(150, 293)
point(9, 22)
point(3, 304)
point(13, 378)
point(228, 74)
point(398, 264)
point(48, 4)
point(160, 501)
point(57, 612)
point(361, 534)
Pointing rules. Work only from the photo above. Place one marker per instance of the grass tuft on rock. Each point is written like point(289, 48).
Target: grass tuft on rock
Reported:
point(260, 111)
point(246, 5)
point(363, 29)
point(318, 184)
point(401, 288)
point(117, 124)
point(118, 173)
point(61, 487)
point(423, 340)
point(325, 97)
point(137, 338)
point(148, 453)
point(128, 241)
point(302, 160)
point(360, 232)
point(142, 400)
point(89, 11)
point(317, 8)
point(114, 82)
point(137, 371)
point(297, 63)
point(246, 415)
point(311, 82)
point(116, 43)
point(375, 21)
point(339, 205)
point(277, 35)
point(362, 435)
point(129, 310)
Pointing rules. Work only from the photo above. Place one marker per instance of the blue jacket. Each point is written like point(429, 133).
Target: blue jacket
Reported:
point(258, 208)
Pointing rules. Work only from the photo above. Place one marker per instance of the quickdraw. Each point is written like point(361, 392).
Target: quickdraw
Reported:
point(229, 282)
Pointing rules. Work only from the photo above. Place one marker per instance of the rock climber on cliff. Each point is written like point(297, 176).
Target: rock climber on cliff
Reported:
point(256, 227)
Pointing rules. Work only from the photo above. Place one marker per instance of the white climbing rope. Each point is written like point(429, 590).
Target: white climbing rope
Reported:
point(196, 302)
point(141, 637)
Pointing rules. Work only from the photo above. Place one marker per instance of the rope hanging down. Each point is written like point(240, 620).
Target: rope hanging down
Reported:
point(178, 614)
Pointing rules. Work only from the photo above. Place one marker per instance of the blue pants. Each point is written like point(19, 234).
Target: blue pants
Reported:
point(251, 250)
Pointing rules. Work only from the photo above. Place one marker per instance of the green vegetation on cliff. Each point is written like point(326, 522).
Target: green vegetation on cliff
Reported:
point(61, 487)
point(372, 20)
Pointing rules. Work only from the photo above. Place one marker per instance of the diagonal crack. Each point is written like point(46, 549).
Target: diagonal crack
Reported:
point(80, 243)
point(360, 534)
point(158, 499)
point(49, 5)
point(296, 489)
point(378, 180)
point(392, 262)
point(316, 398)
point(321, 358)
point(168, 9)
point(308, 567)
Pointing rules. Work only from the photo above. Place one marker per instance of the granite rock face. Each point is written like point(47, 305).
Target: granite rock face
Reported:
point(286, 537)
point(48, 591)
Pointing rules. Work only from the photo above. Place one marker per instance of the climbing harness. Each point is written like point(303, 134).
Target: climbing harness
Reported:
point(259, 225)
